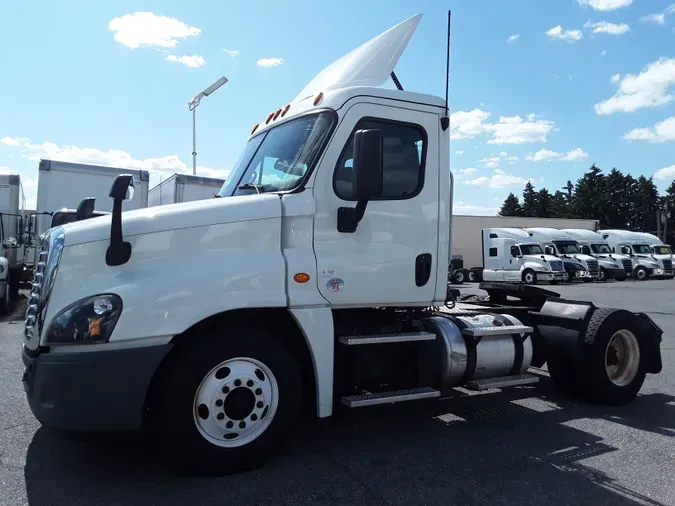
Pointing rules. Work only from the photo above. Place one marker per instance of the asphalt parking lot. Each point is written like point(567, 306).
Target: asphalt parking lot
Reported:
point(525, 445)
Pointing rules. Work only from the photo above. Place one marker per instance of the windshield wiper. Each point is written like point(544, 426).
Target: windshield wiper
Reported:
point(251, 186)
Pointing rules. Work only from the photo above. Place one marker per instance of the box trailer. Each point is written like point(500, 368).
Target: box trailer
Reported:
point(65, 184)
point(183, 188)
point(467, 248)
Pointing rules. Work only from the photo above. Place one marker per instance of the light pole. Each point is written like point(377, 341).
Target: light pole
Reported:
point(192, 105)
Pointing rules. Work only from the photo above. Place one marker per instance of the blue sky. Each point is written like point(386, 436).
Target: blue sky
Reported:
point(540, 90)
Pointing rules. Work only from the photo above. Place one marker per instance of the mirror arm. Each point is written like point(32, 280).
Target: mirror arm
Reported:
point(119, 251)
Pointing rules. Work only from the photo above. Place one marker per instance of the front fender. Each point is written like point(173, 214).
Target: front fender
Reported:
point(177, 278)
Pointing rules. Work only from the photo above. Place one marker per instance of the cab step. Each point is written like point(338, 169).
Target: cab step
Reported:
point(397, 337)
point(502, 382)
point(391, 397)
point(497, 331)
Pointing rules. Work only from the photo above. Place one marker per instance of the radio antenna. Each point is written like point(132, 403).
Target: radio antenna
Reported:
point(445, 121)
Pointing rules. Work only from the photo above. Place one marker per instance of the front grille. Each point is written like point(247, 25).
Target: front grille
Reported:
point(556, 265)
point(593, 267)
point(31, 328)
point(668, 266)
point(627, 265)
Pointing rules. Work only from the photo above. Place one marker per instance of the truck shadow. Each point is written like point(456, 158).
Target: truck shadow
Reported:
point(514, 447)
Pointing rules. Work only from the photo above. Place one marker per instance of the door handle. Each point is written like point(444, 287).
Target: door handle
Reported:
point(422, 269)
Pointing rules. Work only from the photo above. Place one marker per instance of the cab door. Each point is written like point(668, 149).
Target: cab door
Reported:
point(391, 257)
point(513, 269)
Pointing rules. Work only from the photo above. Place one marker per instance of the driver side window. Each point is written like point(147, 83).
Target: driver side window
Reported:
point(403, 157)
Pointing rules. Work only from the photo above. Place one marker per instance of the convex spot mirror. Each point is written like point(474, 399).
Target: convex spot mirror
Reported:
point(85, 208)
point(368, 164)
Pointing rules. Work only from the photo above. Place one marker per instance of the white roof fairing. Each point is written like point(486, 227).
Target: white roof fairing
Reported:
point(370, 64)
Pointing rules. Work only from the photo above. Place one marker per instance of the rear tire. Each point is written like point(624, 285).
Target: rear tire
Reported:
point(457, 277)
point(226, 405)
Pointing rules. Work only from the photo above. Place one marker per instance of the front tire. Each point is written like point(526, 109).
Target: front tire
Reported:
point(529, 277)
point(5, 302)
point(602, 275)
point(640, 273)
point(226, 405)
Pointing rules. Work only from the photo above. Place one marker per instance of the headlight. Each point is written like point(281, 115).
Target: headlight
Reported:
point(615, 266)
point(87, 321)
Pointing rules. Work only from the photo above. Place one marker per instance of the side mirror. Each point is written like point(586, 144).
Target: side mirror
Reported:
point(85, 208)
point(368, 164)
point(122, 187)
point(368, 167)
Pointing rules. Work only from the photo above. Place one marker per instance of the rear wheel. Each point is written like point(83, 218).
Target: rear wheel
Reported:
point(226, 405)
point(473, 277)
point(458, 277)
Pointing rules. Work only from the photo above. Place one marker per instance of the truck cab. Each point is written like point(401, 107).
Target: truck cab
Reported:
point(316, 282)
point(662, 252)
point(644, 263)
point(557, 243)
point(510, 255)
point(612, 265)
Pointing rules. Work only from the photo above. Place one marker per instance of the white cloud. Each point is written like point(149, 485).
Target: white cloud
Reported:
point(659, 19)
point(270, 62)
point(605, 5)
point(557, 32)
point(513, 130)
point(574, 155)
point(10, 141)
point(231, 52)
point(603, 52)
point(492, 162)
point(462, 208)
point(608, 28)
point(459, 152)
point(461, 174)
point(149, 29)
point(663, 131)
point(499, 179)
point(541, 155)
point(467, 124)
point(188, 61)
point(548, 155)
point(649, 88)
point(513, 38)
point(615, 79)
point(665, 173)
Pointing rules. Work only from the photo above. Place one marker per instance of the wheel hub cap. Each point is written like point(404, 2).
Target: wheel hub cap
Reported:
point(235, 402)
point(622, 358)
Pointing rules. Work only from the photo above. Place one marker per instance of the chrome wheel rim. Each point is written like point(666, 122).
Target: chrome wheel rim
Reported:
point(459, 277)
point(622, 358)
point(235, 402)
point(472, 276)
point(641, 274)
point(529, 277)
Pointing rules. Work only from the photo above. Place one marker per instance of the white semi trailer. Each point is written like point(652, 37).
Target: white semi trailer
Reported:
point(319, 280)
point(184, 188)
point(467, 248)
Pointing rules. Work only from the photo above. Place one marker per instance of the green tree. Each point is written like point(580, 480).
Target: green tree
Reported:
point(544, 203)
point(559, 205)
point(646, 204)
point(511, 206)
point(529, 200)
point(590, 195)
point(620, 196)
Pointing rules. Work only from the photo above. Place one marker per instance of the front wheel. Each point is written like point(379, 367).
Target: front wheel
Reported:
point(4, 303)
point(226, 405)
point(602, 275)
point(640, 273)
point(529, 277)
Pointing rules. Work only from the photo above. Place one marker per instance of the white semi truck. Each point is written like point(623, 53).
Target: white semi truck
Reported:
point(467, 246)
point(184, 188)
point(612, 265)
point(645, 264)
point(316, 280)
point(12, 204)
point(661, 252)
point(557, 243)
point(510, 255)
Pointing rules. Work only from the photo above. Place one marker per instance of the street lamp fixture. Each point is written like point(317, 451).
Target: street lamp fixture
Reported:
point(192, 105)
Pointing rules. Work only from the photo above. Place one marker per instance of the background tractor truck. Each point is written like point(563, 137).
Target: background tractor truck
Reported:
point(318, 279)
point(645, 264)
point(661, 251)
point(510, 255)
point(612, 265)
point(557, 243)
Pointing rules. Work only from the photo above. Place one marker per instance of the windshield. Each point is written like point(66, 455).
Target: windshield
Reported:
point(568, 248)
point(642, 249)
point(531, 249)
point(662, 250)
point(601, 248)
point(280, 158)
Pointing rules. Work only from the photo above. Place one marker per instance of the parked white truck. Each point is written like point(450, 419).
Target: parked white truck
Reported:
point(612, 265)
point(467, 250)
point(661, 251)
point(184, 188)
point(510, 254)
point(12, 204)
point(645, 264)
point(557, 243)
point(319, 279)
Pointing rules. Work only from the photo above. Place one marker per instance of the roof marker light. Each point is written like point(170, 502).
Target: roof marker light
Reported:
point(255, 127)
point(276, 114)
point(318, 98)
point(285, 110)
